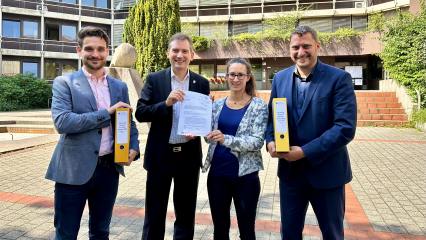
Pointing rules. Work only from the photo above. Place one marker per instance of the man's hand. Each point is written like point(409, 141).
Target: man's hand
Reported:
point(189, 137)
point(112, 109)
point(216, 136)
point(271, 149)
point(295, 153)
point(174, 97)
point(132, 156)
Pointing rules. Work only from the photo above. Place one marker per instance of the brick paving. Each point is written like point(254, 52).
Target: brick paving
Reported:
point(385, 200)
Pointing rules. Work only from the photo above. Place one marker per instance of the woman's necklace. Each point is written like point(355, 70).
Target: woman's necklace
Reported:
point(241, 102)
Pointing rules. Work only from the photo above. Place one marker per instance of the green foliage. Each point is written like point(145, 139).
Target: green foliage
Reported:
point(282, 25)
point(341, 34)
point(190, 29)
point(148, 28)
point(419, 116)
point(200, 43)
point(404, 52)
point(376, 22)
point(23, 92)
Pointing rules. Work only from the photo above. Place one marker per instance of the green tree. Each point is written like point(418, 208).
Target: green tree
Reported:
point(404, 52)
point(148, 28)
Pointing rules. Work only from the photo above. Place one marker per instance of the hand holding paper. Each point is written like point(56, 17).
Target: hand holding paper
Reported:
point(195, 116)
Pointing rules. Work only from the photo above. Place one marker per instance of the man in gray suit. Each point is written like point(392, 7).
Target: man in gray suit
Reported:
point(82, 164)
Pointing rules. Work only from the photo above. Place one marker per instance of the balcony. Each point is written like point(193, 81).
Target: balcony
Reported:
point(28, 4)
point(21, 43)
point(59, 46)
point(95, 12)
point(61, 7)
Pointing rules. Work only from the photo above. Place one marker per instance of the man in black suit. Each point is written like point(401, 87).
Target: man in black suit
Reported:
point(169, 156)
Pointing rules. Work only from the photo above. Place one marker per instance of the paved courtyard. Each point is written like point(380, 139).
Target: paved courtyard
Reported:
point(385, 200)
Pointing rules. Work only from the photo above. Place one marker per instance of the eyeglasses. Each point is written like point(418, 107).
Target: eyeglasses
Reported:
point(238, 75)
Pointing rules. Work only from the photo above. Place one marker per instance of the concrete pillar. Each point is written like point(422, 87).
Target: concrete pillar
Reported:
point(42, 30)
point(1, 35)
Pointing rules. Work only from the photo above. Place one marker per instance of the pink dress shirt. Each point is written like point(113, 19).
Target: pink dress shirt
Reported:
point(100, 90)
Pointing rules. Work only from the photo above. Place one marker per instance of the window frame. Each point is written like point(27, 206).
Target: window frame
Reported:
point(14, 21)
point(30, 61)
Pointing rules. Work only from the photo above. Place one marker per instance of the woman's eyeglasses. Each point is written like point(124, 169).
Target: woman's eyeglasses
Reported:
point(238, 75)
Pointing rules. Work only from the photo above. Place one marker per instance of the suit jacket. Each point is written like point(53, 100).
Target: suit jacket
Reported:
point(152, 108)
point(325, 126)
point(78, 120)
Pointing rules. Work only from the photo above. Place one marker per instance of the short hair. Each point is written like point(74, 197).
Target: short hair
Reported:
point(180, 37)
point(91, 31)
point(302, 30)
point(251, 83)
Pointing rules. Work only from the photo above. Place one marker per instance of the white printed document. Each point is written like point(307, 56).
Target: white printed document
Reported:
point(195, 116)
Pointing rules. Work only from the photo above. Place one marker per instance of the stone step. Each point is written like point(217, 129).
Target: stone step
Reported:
point(376, 100)
point(45, 113)
point(378, 105)
point(381, 111)
point(395, 117)
point(372, 93)
point(26, 122)
point(28, 128)
point(380, 123)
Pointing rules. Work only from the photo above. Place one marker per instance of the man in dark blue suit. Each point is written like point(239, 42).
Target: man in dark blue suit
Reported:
point(169, 156)
point(322, 121)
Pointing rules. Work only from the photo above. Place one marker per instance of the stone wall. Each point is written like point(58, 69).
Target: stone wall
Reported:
point(389, 85)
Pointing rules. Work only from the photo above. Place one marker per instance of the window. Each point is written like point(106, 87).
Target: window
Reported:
point(51, 70)
point(102, 3)
point(69, 33)
point(194, 68)
point(10, 68)
point(207, 70)
point(69, 1)
point(88, 2)
point(11, 29)
point(52, 31)
point(30, 68)
point(221, 71)
point(69, 68)
point(30, 29)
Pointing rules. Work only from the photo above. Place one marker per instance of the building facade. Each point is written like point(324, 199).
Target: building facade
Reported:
point(39, 36)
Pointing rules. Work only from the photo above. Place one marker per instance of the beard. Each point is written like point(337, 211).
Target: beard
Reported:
point(99, 65)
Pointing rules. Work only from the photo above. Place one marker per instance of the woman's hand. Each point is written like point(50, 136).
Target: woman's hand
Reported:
point(216, 136)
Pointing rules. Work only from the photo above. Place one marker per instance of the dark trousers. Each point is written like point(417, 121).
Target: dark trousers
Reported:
point(100, 192)
point(328, 205)
point(185, 173)
point(245, 192)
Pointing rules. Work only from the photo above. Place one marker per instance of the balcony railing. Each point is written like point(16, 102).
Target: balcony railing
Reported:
point(95, 12)
point(28, 4)
point(61, 7)
point(21, 43)
point(59, 46)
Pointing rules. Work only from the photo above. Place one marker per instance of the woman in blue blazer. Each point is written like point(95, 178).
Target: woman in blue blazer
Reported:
point(234, 158)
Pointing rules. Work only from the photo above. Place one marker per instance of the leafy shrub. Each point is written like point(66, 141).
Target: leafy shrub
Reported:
point(200, 43)
point(419, 116)
point(23, 92)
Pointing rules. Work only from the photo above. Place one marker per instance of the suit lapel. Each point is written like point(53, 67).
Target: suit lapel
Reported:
point(113, 93)
point(192, 82)
point(311, 89)
point(86, 89)
point(168, 83)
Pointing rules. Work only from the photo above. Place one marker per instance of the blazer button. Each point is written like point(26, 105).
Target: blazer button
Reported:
point(97, 152)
